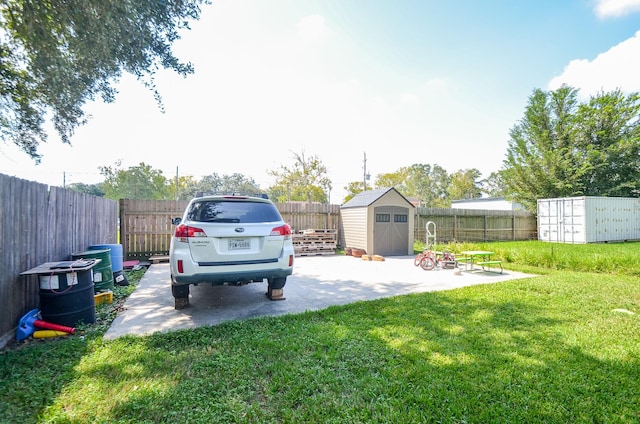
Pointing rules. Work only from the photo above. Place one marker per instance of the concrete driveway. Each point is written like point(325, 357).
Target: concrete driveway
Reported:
point(317, 282)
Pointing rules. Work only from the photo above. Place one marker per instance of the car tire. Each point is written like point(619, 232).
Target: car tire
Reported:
point(277, 283)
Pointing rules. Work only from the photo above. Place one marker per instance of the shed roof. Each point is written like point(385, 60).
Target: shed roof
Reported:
point(366, 198)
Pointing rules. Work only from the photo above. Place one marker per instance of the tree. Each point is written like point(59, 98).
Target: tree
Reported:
point(425, 182)
point(608, 134)
point(93, 189)
point(429, 184)
point(213, 183)
point(562, 148)
point(352, 189)
point(182, 187)
point(55, 55)
point(136, 182)
point(392, 179)
point(306, 180)
point(239, 183)
point(540, 158)
point(464, 184)
point(493, 185)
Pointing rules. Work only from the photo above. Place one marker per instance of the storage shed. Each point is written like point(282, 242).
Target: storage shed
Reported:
point(379, 221)
point(589, 219)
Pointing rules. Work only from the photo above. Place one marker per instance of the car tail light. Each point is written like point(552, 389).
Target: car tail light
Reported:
point(183, 232)
point(283, 230)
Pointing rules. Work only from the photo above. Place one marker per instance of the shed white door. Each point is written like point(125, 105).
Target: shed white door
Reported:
point(391, 231)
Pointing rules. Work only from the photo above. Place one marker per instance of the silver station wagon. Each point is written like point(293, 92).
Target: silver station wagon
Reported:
point(230, 239)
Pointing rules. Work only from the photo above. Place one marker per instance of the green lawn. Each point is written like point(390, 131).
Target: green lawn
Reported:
point(563, 347)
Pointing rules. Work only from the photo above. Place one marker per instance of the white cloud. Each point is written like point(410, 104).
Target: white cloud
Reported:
point(312, 28)
point(616, 8)
point(409, 99)
point(439, 83)
point(617, 68)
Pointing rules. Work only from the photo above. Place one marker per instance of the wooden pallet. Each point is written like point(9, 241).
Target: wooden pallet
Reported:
point(313, 239)
point(314, 245)
point(314, 248)
point(320, 231)
point(316, 253)
point(314, 242)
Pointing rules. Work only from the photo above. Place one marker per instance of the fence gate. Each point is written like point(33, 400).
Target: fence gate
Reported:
point(145, 226)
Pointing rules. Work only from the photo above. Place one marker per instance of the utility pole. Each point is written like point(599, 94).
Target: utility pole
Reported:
point(365, 176)
point(177, 183)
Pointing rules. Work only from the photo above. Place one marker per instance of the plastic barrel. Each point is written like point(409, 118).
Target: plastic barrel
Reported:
point(67, 298)
point(117, 261)
point(102, 272)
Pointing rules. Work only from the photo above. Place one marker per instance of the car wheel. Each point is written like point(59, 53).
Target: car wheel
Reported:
point(277, 283)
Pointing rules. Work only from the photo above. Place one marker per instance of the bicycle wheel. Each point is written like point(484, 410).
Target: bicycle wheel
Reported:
point(427, 263)
point(418, 259)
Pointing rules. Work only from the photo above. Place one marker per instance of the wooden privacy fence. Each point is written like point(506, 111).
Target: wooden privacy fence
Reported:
point(145, 226)
point(146, 229)
point(303, 216)
point(473, 225)
point(40, 224)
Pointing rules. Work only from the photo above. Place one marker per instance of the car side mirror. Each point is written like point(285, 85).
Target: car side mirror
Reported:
point(176, 221)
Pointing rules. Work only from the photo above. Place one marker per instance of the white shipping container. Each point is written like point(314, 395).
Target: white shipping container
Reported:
point(589, 219)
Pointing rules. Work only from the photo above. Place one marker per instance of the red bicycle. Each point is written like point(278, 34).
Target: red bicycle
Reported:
point(420, 256)
point(429, 260)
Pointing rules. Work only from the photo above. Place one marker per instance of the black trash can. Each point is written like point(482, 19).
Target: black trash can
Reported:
point(66, 292)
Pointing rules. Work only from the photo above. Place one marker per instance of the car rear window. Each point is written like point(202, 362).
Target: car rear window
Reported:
point(236, 212)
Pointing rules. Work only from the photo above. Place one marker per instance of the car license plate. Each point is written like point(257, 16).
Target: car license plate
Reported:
point(239, 244)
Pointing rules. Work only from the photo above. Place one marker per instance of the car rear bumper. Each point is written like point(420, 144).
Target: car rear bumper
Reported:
point(231, 277)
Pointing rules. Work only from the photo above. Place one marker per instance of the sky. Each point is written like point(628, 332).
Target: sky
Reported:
point(397, 82)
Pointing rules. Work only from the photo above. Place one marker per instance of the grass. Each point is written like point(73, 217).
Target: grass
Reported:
point(617, 258)
point(561, 347)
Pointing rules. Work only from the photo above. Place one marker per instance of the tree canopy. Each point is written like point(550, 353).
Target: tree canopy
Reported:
point(493, 185)
point(305, 180)
point(353, 188)
point(214, 183)
point(144, 182)
point(136, 182)
point(93, 189)
point(56, 55)
point(432, 185)
point(464, 184)
point(563, 148)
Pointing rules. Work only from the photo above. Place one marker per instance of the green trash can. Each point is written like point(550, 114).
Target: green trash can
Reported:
point(102, 272)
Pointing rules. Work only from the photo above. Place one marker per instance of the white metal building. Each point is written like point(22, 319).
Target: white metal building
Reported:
point(379, 221)
point(589, 219)
point(487, 203)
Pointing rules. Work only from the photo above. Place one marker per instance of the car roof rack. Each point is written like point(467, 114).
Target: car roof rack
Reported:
point(231, 193)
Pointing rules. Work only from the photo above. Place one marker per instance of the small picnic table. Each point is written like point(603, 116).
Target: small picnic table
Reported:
point(479, 257)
